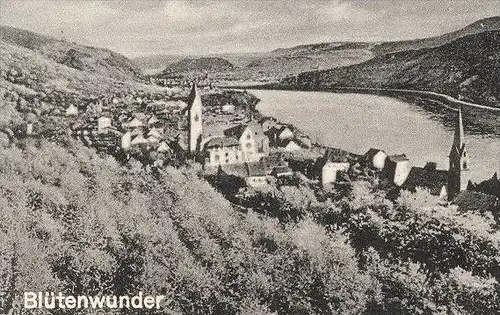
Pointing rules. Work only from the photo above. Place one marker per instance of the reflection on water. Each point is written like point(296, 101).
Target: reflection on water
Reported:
point(357, 122)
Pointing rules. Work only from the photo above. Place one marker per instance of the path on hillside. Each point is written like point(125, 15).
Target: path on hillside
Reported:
point(433, 95)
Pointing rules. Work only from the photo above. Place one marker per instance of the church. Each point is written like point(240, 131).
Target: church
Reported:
point(446, 184)
point(239, 144)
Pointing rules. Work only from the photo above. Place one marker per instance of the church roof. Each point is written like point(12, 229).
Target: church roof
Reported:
point(220, 142)
point(427, 177)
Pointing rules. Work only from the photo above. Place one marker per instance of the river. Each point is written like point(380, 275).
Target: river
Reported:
point(358, 122)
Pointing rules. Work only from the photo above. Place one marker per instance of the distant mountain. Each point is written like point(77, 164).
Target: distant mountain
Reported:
point(468, 66)
point(96, 60)
point(484, 25)
point(203, 64)
point(156, 63)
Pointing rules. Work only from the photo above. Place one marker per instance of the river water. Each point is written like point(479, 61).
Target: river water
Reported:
point(358, 122)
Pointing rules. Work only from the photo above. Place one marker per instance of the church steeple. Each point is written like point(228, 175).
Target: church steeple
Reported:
point(195, 119)
point(459, 160)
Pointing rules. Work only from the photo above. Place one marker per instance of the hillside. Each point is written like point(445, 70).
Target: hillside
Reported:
point(36, 85)
point(96, 60)
point(203, 64)
point(469, 67)
point(284, 62)
point(484, 25)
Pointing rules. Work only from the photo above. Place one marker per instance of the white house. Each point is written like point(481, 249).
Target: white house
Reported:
point(376, 158)
point(103, 123)
point(126, 140)
point(72, 110)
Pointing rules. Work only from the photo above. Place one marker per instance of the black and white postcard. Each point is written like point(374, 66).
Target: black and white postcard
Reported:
point(250, 157)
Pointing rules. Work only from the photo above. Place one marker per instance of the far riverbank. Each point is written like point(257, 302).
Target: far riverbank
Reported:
point(479, 119)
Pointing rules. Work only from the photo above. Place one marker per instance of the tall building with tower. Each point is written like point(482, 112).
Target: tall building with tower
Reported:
point(195, 128)
point(459, 161)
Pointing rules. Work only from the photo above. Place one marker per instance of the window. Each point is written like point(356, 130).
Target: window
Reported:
point(216, 158)
point(227, 153)
point(196, 117)
point(227, 161)
point(249, 145)
point(465, 165)
point(248, 136)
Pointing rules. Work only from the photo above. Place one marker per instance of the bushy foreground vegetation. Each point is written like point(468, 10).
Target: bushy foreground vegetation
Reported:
point(75, 222)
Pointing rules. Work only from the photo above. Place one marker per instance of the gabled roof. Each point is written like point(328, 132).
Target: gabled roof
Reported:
point(370, 154)
point(427, 177)
point(282, 170)
point(221, 142)
point(238, 130)
point(235, 131)
point(272, 161)
point(256, 169)
point(335, 156)
point(398, 158)
point(286, 142)
point(239, 170)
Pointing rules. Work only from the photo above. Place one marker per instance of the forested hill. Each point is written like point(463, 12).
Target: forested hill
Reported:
point(214, 64)
point(484, 25)
point(96, 60)
point(469, 67)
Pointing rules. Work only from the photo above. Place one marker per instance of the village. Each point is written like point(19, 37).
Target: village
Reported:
point(240, 151)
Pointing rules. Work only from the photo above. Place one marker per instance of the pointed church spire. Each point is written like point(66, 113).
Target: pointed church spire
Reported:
point(458, 139)
point(195, 119)
point(459, 160)
point(193, 95)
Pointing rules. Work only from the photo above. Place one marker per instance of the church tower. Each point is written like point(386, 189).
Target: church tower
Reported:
point(459, 161)
point(195, 123)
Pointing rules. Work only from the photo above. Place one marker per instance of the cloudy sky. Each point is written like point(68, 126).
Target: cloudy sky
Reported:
point(138, 28)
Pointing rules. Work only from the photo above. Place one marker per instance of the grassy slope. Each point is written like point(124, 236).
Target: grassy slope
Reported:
point(91, 59)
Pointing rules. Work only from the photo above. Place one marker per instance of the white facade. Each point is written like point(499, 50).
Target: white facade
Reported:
point(103, 123)
point(330, 170)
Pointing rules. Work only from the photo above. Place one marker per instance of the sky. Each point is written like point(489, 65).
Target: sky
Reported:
point(148, 27)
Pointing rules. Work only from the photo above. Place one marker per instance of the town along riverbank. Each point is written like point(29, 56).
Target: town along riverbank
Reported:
point(358, 122)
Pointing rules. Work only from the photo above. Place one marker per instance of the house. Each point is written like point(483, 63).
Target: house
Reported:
point(256, 174)
point(252, 140)
point(430, 178)
point(72, 110)
point(397, 168)
point(152, 140)
point(272, 161)
point(155, 132)
point(304, 141)
point(333, 162)
point(290, 145)
point(253, 174)
point(228, 108)
point(267, 123)
point(133, 123)
point(375, 158)
point(103, 123)
point(153, 121)
point(284, 133)
point(138, 140)
point(126, 140)
point(478, 202)
point(164, 148)
point(281, 171)
point(223, 150)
